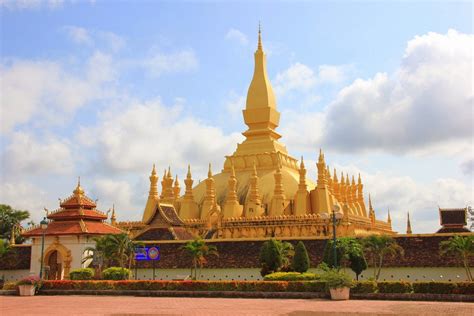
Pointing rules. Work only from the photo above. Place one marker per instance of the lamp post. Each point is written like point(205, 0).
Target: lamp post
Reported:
point(336, 215)
point(43, 225)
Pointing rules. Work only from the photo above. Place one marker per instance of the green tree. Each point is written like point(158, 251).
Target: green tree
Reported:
point(300, 260)
point(4, 247)
point(349, 254)
point(103, 249)
point(275, 255)
point(378, 248)
point(357, 264)
point(199, 250)
point(10, 219)
point(461, 247)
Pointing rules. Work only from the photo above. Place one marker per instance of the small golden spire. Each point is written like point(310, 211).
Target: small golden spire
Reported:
point(370, 203)
point(153, 171)
point(302, 163)
point(78, 190)
point(334, 175)
point(112, 218)
point(389, 219)
point(353, 180)
point(321, 155)
point(409, 231)
point(209, 173)
point(259, 47)
point(188, 175)
point(169, 173)
point(347, 179)
point(176, 182)
point(359, 181)
point(342, 178)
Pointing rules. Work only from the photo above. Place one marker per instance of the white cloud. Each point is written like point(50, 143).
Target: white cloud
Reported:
point(424, 107)
point(25, 154)
point(236, 35)
point(103, 39)
point(235, 104)
point(46, 91)
point(78, 34)
point(402, 194)
point(110, 192)
point(161, 63)
point(23, 196)
point(302, 78)
point(31, 4)
point(427, 102)
point(134, 138)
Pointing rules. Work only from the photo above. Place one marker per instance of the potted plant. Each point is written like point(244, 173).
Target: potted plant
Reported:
point(28, 285)
point(338, 283)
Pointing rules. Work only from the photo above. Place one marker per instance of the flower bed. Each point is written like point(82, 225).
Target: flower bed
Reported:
point(245, 286)
point(364, 287)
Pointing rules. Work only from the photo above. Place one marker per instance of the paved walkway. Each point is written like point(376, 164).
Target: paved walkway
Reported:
point(128, 305)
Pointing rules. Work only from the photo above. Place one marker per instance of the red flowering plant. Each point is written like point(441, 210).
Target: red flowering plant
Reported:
point(31, 280)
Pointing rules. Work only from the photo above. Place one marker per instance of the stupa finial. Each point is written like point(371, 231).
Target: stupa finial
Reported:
point(259, 47)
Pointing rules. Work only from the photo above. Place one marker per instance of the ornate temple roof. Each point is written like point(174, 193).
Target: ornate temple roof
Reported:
point(453, 220)
point(76, 216)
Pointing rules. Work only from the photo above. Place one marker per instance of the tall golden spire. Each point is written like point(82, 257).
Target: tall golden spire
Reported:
point(210, 196)
point(389, 219)
point(409, 231)
point(301, 196)
point(153, 183)
point(260, 112)
point(259, 46)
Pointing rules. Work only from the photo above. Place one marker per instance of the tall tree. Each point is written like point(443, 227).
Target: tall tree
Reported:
point(275, 255)
point(300, 260)
point(462, 247)
point(199, 250)
point(378, 248)
point(10, 219)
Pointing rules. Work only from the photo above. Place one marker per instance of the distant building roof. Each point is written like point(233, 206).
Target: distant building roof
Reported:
point(453, 220)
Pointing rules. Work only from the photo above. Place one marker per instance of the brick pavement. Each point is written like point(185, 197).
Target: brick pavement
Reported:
point(128, 305)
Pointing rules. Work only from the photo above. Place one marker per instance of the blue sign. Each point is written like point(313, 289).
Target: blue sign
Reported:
point(147, 253)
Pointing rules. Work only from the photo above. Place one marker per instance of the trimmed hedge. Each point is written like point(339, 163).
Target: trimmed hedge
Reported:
point(444, 287)
point(394, 287)
point(364, 287)
point(82, 274)
point(291, 276)
point(246, 286)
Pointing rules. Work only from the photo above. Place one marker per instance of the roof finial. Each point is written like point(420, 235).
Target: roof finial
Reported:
point(78, 190)
point(209, 173)
point(259, 47)
point(188, 175)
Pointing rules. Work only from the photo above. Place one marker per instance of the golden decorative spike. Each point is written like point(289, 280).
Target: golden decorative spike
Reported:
point(259, 46)
point(353, 180)
point(409, 231)
point(78, 191)
point(302, 163)
point(359, 181)
point(188, 175)
point(209, 173)
point(334, 177)
point(389, 219)
point(113, 219)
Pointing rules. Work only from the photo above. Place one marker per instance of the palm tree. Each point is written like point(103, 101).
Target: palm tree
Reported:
point(462, 248)
point(378, 247)
point(286, 252)
point(198, 249)
point(103, 249)
point(123, 249)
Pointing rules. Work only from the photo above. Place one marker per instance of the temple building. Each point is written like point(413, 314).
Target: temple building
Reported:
point(263, 191)
point(70, 230)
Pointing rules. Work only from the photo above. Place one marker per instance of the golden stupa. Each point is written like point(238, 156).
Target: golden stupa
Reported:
point(262, 191)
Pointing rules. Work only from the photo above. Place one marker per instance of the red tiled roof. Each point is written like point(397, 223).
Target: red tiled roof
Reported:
point(82, 227)
point(78, 200)
point(68, 214)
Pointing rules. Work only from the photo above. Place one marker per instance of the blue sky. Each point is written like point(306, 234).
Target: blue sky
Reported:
point(104, 89)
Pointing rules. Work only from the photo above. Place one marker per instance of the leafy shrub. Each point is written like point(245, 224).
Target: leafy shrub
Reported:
point(9, 286)
point(394, 287)
point(291, 276)
point(336, 279)
point(81, 274)
point(364, 287)
point(116, 273)
point(300, 261)
point(464, 288)
point(434, 287)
